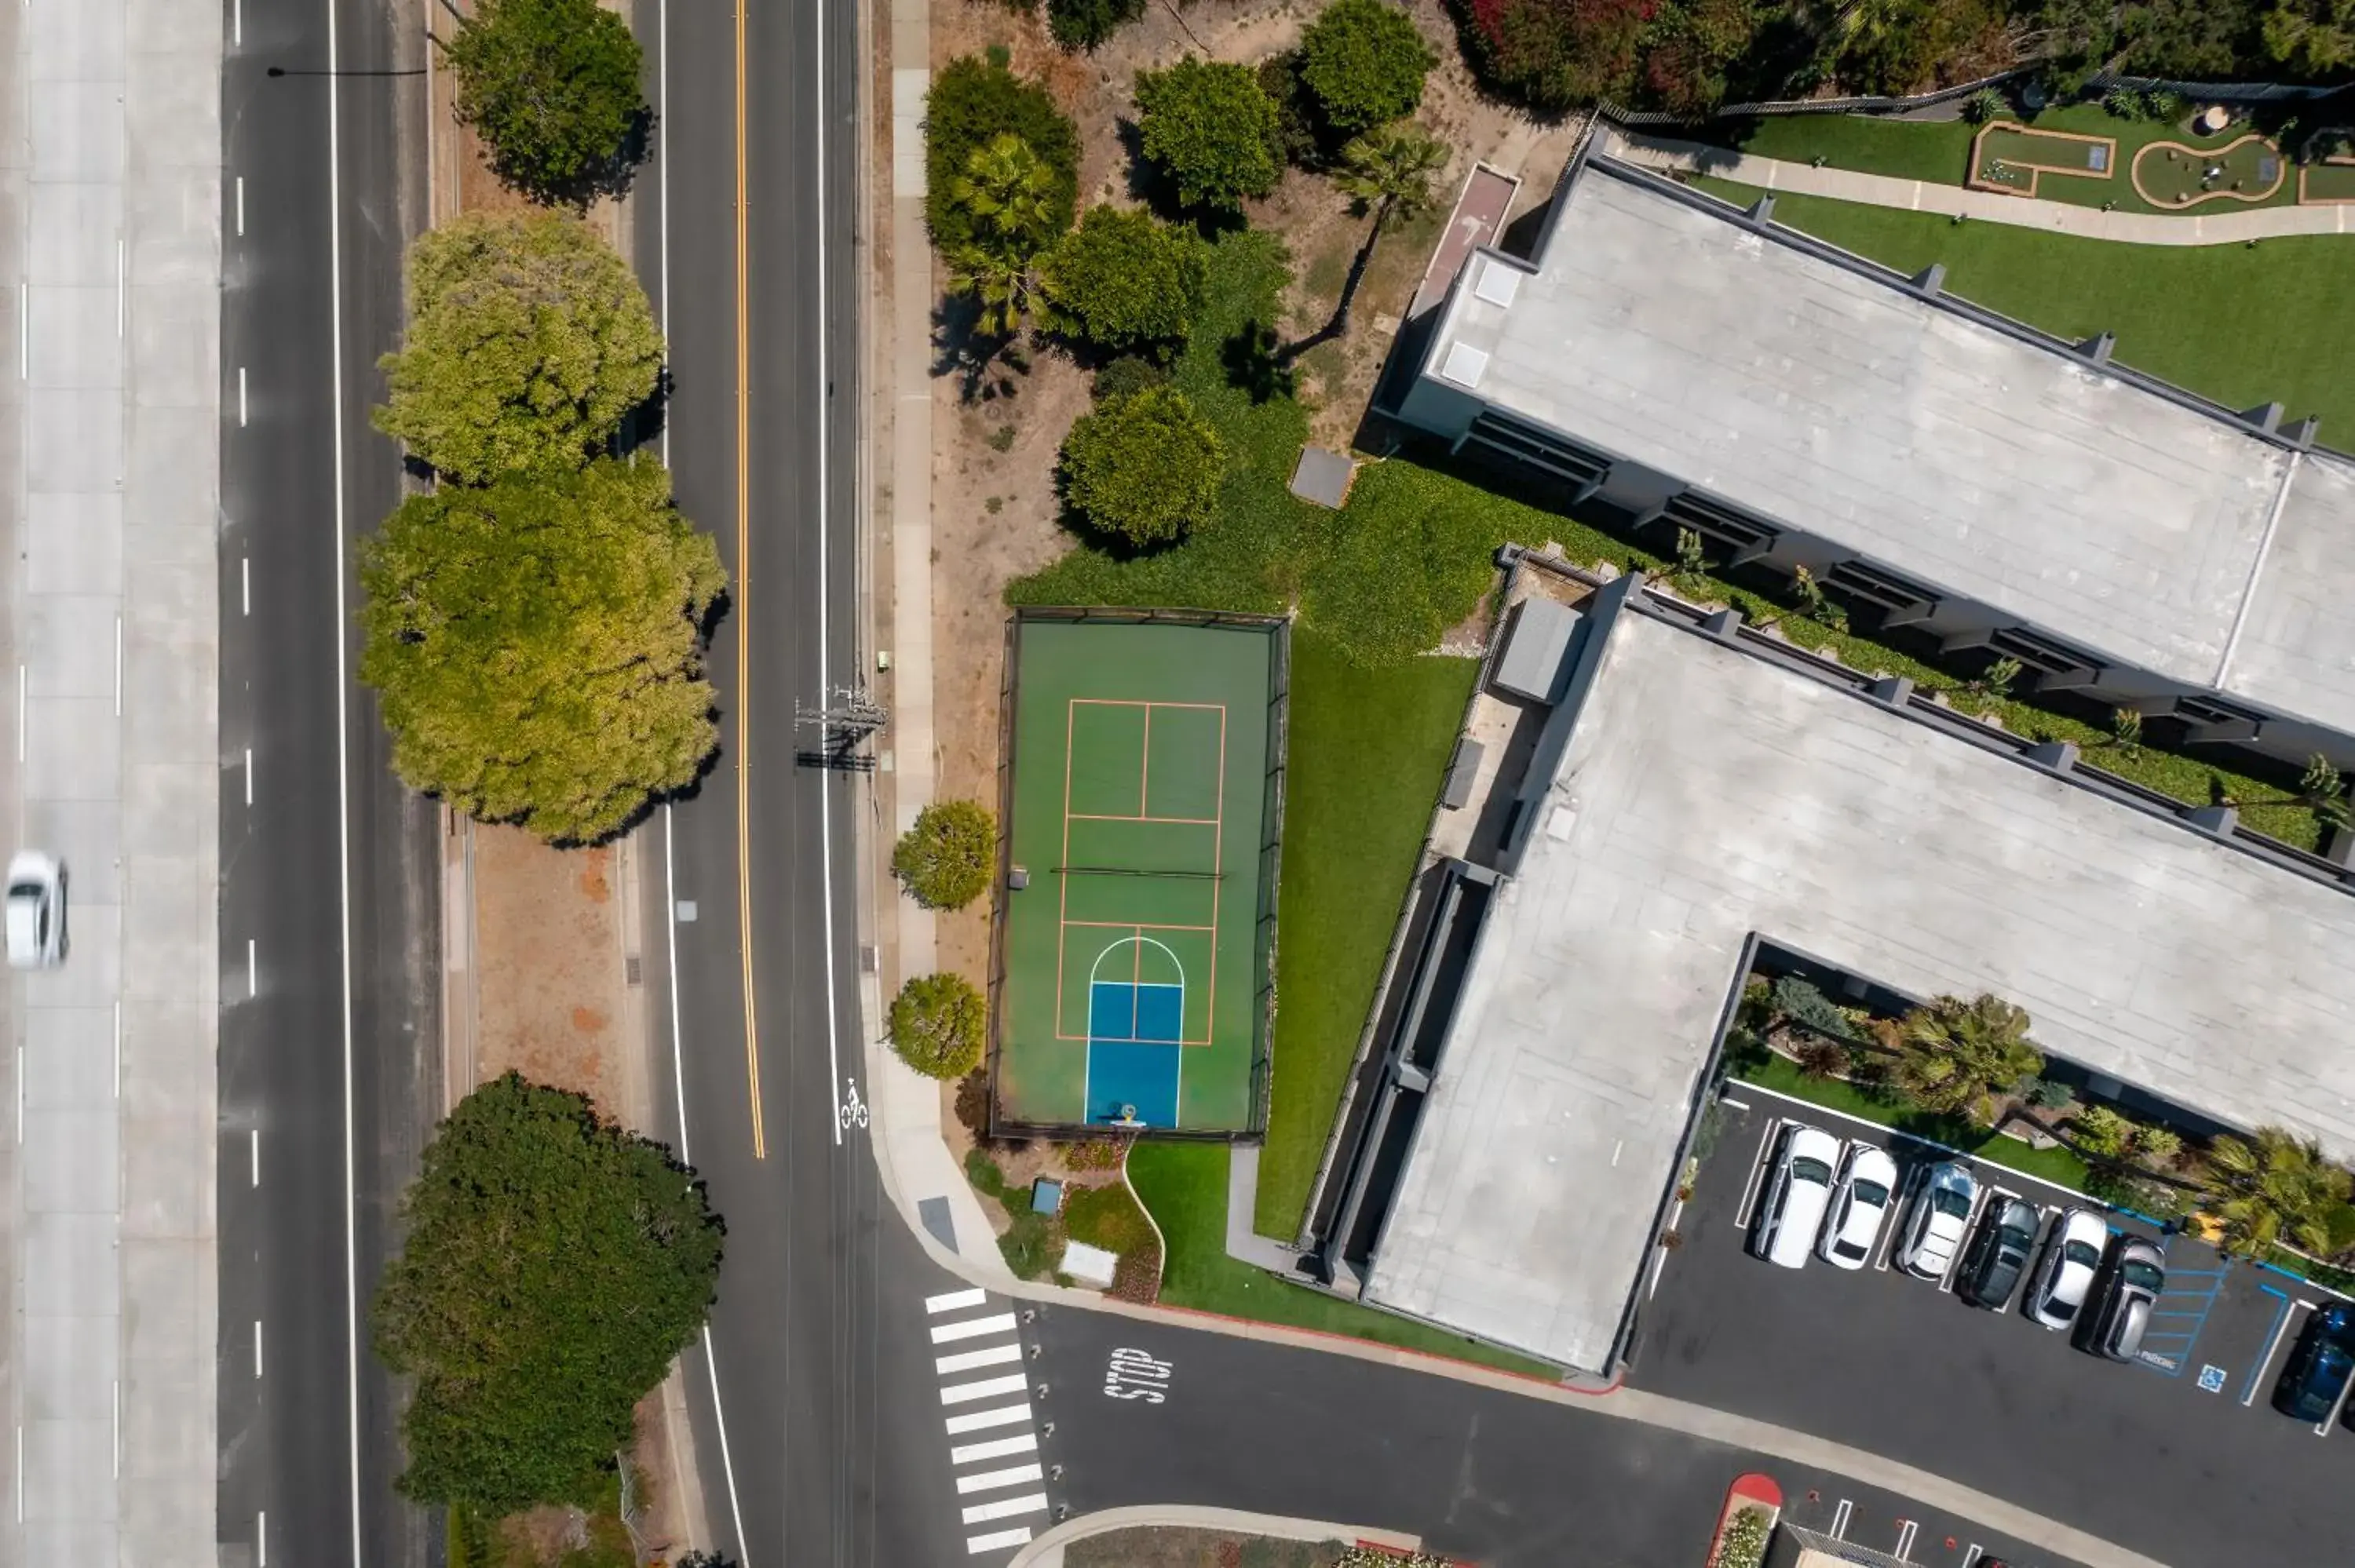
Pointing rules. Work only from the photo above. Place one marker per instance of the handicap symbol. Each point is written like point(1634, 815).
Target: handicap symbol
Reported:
point(2212, 1379)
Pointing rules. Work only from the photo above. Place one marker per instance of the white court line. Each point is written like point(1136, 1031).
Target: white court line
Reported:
point(954, 1301)
point(978, 1545)
point(973, 1328)
point(969, 1361)
point(1006, 1508)
point(995, 1448)
point(2280, 1329)
point(981, 1420)
point(998, 1480)
point(966, 1393)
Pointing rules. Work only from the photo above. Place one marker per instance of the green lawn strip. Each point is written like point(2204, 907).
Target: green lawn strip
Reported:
point(1185, 1185)
point(1938, 150)
point(2056, 1164)
point(1366, 752)
point(1033, 1243)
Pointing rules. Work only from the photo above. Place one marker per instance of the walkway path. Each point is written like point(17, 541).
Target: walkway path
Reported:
point(1992, 206)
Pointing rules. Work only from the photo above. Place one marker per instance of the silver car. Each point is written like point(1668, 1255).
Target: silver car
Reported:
point(2130, 1288)
point(1941, 1214)
point(35, 917)
point(2071, 1254)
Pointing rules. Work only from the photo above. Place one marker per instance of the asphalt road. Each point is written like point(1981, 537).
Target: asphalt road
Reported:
point(329, 1065)
point(834, 1450)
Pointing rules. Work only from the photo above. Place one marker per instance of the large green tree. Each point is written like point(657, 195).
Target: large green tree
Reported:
point(537, 646)
point(1953, 1055)
point(554, 1267)
point(948, 858)
point(1364, 63)
point(1124, 279)
point(553, 86)
point(1210, 130)
point(530, 341)
point(2275, 1187)
point(1144, 468)
point(972, 102)
point(939, 1024)
point(1011, 201)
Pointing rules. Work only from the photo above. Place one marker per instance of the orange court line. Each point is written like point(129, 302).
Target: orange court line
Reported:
point(1144, 769)
point(1118, 817)
point(1219, 884)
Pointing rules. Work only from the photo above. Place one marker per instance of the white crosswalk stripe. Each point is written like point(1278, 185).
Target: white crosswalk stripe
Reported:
point(954, 1301)
point(966, 1393)
point(973, 1329)
point(1013, 1414)
point(988, 1356)
point(995, 1448)
point(1003, 1456)
point(1006, 1508)
point(997, 1539)
point(999, 1480)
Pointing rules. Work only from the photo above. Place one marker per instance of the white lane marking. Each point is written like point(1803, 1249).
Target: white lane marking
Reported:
point(1840, 1516)
point(240, 206)
point(257, 1347)
point(954, 1301)
point(252, 974)
point(973, 1328)
point(255, 1159)
point(260, 1541)
point(999, 1480)
point(1006, 1508)
point(966, 1393)
point(1732, 1103)
point(118, 666)
point(1905, 1538)
point(245, 585)
point(995, 1448)
point(2280, 1330)
point(237, 22)
point(969, 1361)
point(978, 1545)
point(824, 426)
point(240, 397)
point(981, 1420)
point(1743, 1215)
point(23, 712)
point(20, 1094)
point(118, 1050)
point(249, 776)
point(122, 284)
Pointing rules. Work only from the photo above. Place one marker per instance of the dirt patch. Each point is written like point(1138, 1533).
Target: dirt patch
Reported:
point(1172, 1548)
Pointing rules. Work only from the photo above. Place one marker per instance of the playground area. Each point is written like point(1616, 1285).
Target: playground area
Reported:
point(1131, 981)
point(2129, 166)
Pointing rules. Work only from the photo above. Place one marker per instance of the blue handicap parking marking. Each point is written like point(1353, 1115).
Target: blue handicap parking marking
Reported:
point(1112, 1010)
point(1160, 1012)
point(2211, 1378)
point(2176, 1321)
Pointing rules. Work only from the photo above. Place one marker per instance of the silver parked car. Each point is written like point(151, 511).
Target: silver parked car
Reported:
point(1941, 1213)
point(2072, 1253)
point(2131, 1285)
point(1860, 1205)
point(36, 921)
point(1798, 1190)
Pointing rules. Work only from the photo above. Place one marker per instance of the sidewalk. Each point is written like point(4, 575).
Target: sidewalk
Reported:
point(1664, 156)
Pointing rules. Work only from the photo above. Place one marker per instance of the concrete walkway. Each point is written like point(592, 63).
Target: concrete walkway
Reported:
point(1991, 206)
point(1047, 1552)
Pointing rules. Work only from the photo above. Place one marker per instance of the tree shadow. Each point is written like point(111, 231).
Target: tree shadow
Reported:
point(608, 178)
point(1256, 364)
point(963, 349)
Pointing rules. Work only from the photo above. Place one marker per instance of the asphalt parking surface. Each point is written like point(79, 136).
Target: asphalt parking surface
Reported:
point(2178, 1457)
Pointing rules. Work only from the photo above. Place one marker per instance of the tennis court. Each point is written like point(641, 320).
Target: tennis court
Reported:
point(1133, 967)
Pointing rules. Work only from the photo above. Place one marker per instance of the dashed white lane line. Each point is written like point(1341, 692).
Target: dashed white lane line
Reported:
point(968, 1361)
point(982, 1420)
point(966, 1393)
point(954, 1301)
point(1006, 1508)
point(973, 1328)
point(999, 1480)
point(997, 1539)
point(995, 1448)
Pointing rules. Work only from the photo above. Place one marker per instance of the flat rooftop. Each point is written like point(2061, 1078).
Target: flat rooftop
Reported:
point(1707, 793)
point(1828, 396)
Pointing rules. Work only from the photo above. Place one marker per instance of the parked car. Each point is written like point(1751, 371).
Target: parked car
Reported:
point(2317, 1372)
point(1998, 1254)
point(1941, 1213)
point(1859, 1202)
point(2072, 1253)
point(2129, 1288)
point(35, 922)
point(1798, 1190)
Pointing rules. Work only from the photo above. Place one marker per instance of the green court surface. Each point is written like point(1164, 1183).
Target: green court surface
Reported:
point(1134, 959)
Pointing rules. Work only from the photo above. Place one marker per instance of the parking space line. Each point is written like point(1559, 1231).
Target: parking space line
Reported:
point(1841, 1517)
point(1887, 1136)
point(2338, 1408)
point(1972, 1555)
point(1970, 1225)
point(2283, 1316)
point(2171, 1356)
point(1905, 1538)
point(1758, 1171)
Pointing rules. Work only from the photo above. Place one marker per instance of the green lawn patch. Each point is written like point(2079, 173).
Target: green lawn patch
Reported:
point(1935, 150)
point(1185, 1185)
point(1782, 1075)
point(1033, 1243)
point(1367, 752)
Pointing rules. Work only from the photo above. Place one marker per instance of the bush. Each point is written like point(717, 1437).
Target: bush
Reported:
point(2047, 1094)
point(1296, 128)
point(530, 341)
point(1210, 131)
point(1085, 24)
point(1560, 54)
point(1985, 104)
point(949, 858)
point(1127, 376)
point(1123, 280)
point(1145, 470)
point(939, 1024)
point(971, 101)
point(1364, 63)
point(551, 87)
point(2101, 1132)
point(1821, 1058)
point(2159, 1145)
point(1801, 1004)
point(1912, 43)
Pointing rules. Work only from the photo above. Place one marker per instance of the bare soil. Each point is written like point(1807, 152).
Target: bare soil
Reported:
point(1163, 1547)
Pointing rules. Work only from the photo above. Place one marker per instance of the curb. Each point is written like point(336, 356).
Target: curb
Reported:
point(1750, 1490)
point(1047, 1551)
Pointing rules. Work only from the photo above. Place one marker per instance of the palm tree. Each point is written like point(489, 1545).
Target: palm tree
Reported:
point(1000, 280)
point(1952, 1054)
point(1010, 193)
point(2275, 1189)
point(1387, 172)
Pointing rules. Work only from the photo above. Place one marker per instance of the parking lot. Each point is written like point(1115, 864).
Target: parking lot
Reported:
point(2177, 1455)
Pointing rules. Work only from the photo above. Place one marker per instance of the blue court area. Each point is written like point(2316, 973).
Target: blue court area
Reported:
point(1134, 1052)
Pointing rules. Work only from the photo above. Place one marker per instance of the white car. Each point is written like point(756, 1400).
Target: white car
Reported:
point(35, 911)
point(1798, 1190)
point(1941, 1214)
point(2073, 1253)
point(1859, 1203)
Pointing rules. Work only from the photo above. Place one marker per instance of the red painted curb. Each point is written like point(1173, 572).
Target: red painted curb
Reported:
point(1750, 1487)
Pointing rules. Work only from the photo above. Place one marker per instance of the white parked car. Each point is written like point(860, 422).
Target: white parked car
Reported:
point(2071, 1254)
point(35, 911)
point(1859, 1203)
point(1798, 1190)
point(1941, 1214)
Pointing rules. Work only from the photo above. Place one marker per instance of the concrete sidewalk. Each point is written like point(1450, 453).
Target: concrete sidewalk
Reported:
point(1669, 156)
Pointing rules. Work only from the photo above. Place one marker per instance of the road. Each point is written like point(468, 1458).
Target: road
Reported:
point(330, 873)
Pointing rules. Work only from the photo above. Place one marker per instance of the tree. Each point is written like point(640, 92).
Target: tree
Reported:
point(554, 1267)
point(1124, 279)
point(530, 341)
point(1560, 54)
point(1364, 63)
point(939, 1024)
point(553, 86)
point(1085, 24)
point(1009, 198)
point(1144, 468)
point(2275, 1188)
point(1952, 1054)
point(1212, 131)
point(537, 646)
point(947, 860)
point(972, 102)
point(1387, 172)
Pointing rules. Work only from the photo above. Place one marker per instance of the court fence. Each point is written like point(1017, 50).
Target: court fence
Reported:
point(1278, 629)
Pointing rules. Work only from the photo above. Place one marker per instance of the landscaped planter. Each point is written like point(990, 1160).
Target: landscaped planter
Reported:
point(1746, 1523)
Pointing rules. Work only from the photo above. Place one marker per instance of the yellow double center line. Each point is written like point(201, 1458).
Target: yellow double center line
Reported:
point(744, 599)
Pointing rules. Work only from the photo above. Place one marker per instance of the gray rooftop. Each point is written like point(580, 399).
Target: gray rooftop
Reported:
point(1827, 397)
point(1707, 794)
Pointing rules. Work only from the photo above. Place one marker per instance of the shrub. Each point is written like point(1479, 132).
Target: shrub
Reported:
point(1145, 470)
point(947, 860)
point(1560, 54)
point(2047, 1094)
point(1952, 1054)
point(1364, 62)
point(1821, 1058)
point(1127, 376)
point(1903, 46)
point(971, 101)
point(551, 86)
point(1801, 1004)
point(1743, 1543)
point(1296, 108)
point(2101, 1132)
point(938, 1025)
point(1123, 280)
point(1210, 131)
point(1085, 24)
point(1984, 105)
point(2159, 1145)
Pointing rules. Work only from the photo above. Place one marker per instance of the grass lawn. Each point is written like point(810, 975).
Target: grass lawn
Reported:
point(1185, 1185)
point(1367, 748)
point(2056, 1164)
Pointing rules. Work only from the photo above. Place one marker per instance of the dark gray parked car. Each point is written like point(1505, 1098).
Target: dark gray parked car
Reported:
point(2123, 1299)
point(1998, 1254)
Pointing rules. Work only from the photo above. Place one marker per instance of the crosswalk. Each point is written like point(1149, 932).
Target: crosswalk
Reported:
point(993, 1431)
